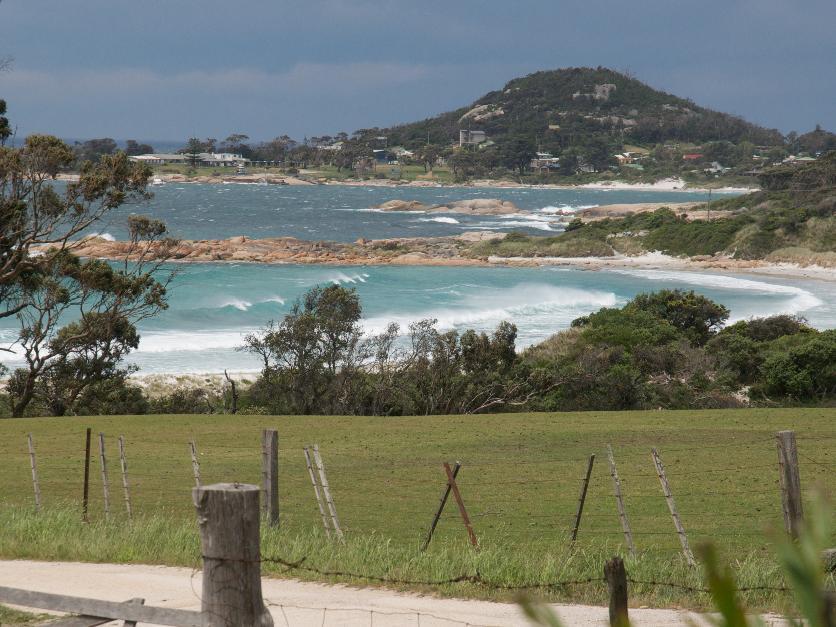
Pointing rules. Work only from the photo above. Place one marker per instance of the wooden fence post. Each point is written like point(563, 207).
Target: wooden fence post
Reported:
point(105, 484)
point(619, 501)
point(616, 578)
point(457, 495)
point(444, 496)
point(123, 462)
point(228, 516)
point(316, 492)
point(326, 491)
point(86, 495)
point(34, 467)
point(270, 475)
point(582, 497)
point(195, 463)
point(790, 481)
point(666, 490)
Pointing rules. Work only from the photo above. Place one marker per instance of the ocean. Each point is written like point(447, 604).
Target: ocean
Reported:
point(213, 305)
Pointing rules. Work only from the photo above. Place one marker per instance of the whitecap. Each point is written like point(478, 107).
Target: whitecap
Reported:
point(442, 220)
point(240, 305)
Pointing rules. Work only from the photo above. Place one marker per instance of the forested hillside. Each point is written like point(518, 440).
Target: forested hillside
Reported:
point(557, 105)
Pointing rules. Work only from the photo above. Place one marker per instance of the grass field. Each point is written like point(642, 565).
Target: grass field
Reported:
point(520, 480)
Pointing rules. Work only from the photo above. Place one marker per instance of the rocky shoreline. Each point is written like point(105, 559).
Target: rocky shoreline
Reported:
point(433, 251)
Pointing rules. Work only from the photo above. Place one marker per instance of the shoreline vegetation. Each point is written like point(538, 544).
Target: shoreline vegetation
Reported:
point(315, 177)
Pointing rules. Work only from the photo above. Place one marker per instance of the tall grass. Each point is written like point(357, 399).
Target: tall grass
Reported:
point(57, 533)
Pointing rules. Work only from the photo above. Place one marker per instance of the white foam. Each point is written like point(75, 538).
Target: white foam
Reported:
point(345, 278)
point(797, 300)
point(442, 220)
point(105, 236)
point(190, 341)
point(532, 306)
point(239, 304)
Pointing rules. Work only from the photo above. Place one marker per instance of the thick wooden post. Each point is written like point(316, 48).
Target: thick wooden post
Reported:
point(582, 497)
point(228, 516)
point(326, 491)
point(666, 490)
point(460, 502)
point(86, 496)
point(123, 462)
point(616, 578)
point(270, 475)
point(619, 501)
point(444, 496)
point(790, 481)
point(316, 492)
point(34, 467)
point(195, 463)
point(105, 484)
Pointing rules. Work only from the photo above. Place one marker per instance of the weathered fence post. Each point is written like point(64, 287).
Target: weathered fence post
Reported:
point(326, 491)
point(195, 463)
point(123, 462)
point(316, 492)
point(444, 496)
point(86, 495)
point(228, 516)
point(105, 484)
point(34, 466)
point(616, 578)
point(270, 475)
point(790, 481)
point(460, 502)
point(619, 501)
point(666, 491)
point(582, 497)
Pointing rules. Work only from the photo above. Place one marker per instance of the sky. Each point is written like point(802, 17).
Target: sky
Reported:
point(170, 69)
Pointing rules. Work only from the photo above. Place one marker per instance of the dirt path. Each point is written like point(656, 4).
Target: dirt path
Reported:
point(299, 603)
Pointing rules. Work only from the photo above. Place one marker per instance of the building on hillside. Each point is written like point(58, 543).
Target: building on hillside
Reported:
point(544, 161)
point(692, 156)
point(471, 138)
point(716, 168)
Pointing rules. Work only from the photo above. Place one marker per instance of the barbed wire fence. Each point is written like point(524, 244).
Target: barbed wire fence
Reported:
point(514, 496)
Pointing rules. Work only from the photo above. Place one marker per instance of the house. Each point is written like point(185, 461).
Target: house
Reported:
point(544, 161)
point(472, 138)
point(716, 168)
point(159, 159)
point(221, 159)
point(692, 156)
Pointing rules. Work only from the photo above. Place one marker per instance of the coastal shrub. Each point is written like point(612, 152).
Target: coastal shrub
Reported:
point(694, 315)
point(804, 372)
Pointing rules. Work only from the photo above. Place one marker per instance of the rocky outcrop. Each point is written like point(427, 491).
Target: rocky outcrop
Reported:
point(473, 206)
point(406, 251)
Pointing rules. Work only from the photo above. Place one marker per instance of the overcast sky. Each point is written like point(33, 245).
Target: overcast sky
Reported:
point(168, 69)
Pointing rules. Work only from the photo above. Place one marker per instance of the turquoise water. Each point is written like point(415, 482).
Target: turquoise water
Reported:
point(214, 305)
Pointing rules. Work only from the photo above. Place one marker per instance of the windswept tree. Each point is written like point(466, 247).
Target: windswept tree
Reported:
point(5, 128)
point(77, 317)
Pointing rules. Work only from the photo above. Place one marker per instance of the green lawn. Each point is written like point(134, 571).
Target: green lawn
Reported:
point(520, 480)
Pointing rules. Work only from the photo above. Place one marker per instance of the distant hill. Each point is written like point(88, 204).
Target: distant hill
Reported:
point(555, 106)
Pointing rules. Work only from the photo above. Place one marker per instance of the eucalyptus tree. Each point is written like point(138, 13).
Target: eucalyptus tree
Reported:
point(77, 317)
